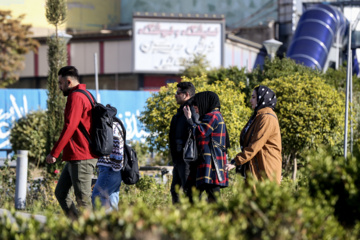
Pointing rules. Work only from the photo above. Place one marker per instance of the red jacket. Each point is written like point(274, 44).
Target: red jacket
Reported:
point(72, 140)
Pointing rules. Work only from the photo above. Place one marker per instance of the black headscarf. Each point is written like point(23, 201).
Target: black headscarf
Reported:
point(206, 102)
point(265, 98)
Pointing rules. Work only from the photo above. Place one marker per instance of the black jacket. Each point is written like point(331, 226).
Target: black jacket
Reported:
point(179, 131)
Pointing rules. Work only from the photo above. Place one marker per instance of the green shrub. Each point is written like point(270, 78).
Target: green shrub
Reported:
point(29, 133)
point(310, 113)
point(270, 212)
point(146, 183)
point(336, 180)
point(280, 68)
point(236, 75)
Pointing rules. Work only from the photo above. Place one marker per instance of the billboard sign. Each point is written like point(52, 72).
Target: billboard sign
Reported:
point(161, 44)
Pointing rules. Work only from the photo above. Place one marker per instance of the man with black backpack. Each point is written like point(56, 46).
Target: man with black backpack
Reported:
point(80, 161)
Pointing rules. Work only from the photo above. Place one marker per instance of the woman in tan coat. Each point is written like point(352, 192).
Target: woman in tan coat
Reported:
point(260, 139)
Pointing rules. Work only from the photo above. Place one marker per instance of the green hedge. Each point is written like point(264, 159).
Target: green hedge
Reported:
point(29, 133)
point(311, 209)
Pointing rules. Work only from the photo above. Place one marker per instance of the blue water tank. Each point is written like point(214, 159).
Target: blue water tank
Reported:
point(315, 34)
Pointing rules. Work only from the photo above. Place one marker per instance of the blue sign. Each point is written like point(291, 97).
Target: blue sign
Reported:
point(16, 103)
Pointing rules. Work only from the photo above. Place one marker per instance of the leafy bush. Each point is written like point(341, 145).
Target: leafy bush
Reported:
point(335, 179)
point(272, 212)
point(280, 68)
point(161, 106)
point(233, 74)
point(324, 206)
point(145, 156)
point(310, 113)
point(28, 133)
point(146, 183)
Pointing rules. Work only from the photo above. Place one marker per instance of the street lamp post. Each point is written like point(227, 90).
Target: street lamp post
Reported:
point(272, 46)
point(64, 36)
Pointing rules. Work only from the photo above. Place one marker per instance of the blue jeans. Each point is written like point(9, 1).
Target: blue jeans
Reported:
point(107, 187)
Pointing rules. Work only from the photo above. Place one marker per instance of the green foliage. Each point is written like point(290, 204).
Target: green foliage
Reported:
point(325, 206)
point(7, 183)
point(145, 156)
point(161, 106)
point(336, 180)
point(310, 112)
point(15, 42)
point(336, 78)
point(270, 213)
point(279, 68)
point(233, 74)
point(28, 133)
point(195, 67)
point(146, 183)
point(56, 12)
point(57, 58)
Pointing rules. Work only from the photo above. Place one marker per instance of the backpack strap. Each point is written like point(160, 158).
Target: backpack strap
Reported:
point(123, 129)
point(127, 150)
point(86, 93)
point(93, 102)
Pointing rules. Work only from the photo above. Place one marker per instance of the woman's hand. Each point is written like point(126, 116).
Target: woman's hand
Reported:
point(187, 112)
point(229, 166)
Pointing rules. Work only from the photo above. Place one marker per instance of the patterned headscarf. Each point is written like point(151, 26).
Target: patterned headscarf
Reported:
point(265, 98)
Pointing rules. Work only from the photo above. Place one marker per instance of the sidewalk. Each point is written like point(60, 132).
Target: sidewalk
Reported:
point(39, 218)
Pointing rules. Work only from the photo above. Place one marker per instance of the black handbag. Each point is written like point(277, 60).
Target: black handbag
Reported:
point(190, 152)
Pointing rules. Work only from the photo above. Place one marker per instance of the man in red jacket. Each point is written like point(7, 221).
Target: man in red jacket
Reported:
point(80, 162)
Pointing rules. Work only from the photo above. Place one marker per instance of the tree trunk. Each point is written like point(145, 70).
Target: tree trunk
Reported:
point(295, 169)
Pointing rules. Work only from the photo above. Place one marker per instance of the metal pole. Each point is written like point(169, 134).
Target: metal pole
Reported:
point(351, 107)
point(348, 74)
point(21, 179)
point(337, 50)
point(97, 80)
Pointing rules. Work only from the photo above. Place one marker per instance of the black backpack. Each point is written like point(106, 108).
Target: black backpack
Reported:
point(130, 171)
point(101, 136)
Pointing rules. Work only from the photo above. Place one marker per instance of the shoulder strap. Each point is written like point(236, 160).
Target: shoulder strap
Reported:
point(248, 141)
point(271, 115)
point(219, 145)
point(122, 127)
point(81, 126)
point(92, 101)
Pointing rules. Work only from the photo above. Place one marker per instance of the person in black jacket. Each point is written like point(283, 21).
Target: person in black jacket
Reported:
point(179, 131)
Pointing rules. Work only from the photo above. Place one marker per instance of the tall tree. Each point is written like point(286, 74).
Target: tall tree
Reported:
point(15, 42)
point(57, 58)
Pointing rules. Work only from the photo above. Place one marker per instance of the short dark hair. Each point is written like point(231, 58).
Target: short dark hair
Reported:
point(187, 87)
point(69, 71)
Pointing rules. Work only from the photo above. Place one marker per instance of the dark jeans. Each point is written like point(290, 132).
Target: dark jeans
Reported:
point(76, 174)
point(180, 174)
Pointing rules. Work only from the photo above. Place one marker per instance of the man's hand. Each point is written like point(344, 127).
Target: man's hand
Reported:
point(187, 112)
point(229, 166)
point(50, 159)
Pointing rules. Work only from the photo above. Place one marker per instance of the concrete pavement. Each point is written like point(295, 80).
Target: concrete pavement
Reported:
point(40, 218)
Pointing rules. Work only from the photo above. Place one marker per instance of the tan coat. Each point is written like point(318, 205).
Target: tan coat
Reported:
point(264, 149)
